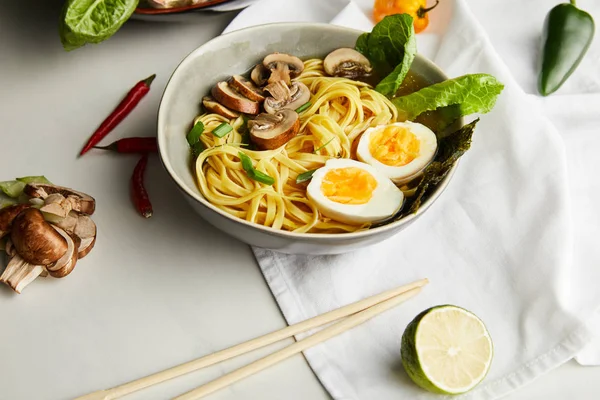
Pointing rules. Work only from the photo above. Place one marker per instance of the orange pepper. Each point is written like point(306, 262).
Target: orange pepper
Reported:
point(415, 8)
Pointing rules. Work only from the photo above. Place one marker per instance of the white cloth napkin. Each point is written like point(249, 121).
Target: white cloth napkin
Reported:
point(510, 240)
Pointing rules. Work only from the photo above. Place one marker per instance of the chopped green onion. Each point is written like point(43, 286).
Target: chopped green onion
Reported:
point(325, 145)
point(305, 176)
point(253, 173)
point(303, 107)
point(222, 130)
point(193, 136)
point(35, 179)
point(197, 148)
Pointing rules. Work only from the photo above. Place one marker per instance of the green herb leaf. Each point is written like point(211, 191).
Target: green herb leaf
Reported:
point(303, 107)
point(193, 136)
point(476, 93)
point(305, 176)
point(450, 149)
point(34, 179)
point(12, 188)
point(391, 47)
point(222, 130)
point(253, 173)
point(197, 148)
point(92, 21)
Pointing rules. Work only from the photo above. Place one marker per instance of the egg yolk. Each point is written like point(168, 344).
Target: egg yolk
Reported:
point(348, 185)
point(394, 146)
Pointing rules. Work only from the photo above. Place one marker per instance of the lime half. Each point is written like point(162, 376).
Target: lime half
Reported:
point(447, 349)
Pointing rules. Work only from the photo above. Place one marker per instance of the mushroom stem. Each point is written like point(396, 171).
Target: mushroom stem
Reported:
point(19, 273)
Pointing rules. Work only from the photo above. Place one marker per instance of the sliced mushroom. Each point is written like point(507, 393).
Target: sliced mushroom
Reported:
point(271, 131)
point(35, 240)
point(64, 265)
point(56, 204)
point(84, 228)
point(212, 105)
point(80, 202)
point(347, 63)
point(283, 67)
point(86, 247)
point(299, 95)
point(230, 98)
point(260, 75)
point(246, 88)
point(19, 273)
point(8, 215)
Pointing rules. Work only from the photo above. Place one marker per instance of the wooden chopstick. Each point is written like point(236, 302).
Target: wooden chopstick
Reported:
point(321, 336)
point(254, 344)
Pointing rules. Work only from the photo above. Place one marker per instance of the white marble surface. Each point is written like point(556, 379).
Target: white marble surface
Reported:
point(155, 292)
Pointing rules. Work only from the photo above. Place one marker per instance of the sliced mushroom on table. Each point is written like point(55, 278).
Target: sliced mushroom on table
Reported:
point(80, 202)
point(347, 63)
point(299, 95)
point(234, 100)
point(214, 106)
point(283, 67)
point(271, 131)
point(246, 88)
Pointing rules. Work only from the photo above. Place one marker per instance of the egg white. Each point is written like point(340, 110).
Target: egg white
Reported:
point(410, 171)
point(386, 201)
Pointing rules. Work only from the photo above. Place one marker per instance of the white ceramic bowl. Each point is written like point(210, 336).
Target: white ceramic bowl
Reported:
point(235, 53)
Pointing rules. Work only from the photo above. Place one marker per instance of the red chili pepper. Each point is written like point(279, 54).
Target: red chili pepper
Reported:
point(139, 195)
point(138, 145)
point(123, 109)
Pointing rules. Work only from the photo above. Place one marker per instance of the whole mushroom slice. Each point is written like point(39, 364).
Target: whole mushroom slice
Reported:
point(283, 67)
point(213, 106)
point(246, 88)
point(271, 131)
point(64, 265)
point(19, 273)
point(35, 240)
point(299, 95)
point(8, 215)
point(80, 202)
point(347, 63)
point(260, 75)
point(230, 98)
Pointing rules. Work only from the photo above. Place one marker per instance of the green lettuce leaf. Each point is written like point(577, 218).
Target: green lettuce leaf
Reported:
point(92, 21)
point(476, 93)
point(391, 47)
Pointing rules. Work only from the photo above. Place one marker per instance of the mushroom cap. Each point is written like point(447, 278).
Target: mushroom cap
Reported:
point(8, 215)
point(64, 265)
point(346, 63)
point(35, 240)
point(294, 64)
point(246, 88)
point(80, 202)
point(230, 98)
point(271, 131)
point(213, 106)
point(260, 75)
point(299, 95)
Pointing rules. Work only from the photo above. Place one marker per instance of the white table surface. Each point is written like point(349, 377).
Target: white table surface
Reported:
point(155, 292)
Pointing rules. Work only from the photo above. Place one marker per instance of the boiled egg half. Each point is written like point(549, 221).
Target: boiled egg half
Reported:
point(400, 151)
point(353, 192)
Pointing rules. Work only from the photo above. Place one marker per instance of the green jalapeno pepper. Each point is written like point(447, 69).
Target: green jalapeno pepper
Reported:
point(568, 33)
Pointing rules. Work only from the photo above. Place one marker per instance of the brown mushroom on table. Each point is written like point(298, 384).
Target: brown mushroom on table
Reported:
point(283, 67)
point(246, 88)
point(234, 100)
point(271, 131)
point(214, 106)
point(80, 202)
point(299, 95)
point(347, 63)
point(64, 265)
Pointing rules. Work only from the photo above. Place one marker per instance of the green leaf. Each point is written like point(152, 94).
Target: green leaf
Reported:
point(303, 107)
point(34, 179)
point(476, 93)
point(253, 173)
point(12, 188)
point(391, 47)
point(222, 130)
point(305, 176)
point(92, 21)
point(193, 136)
point(450, 149)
